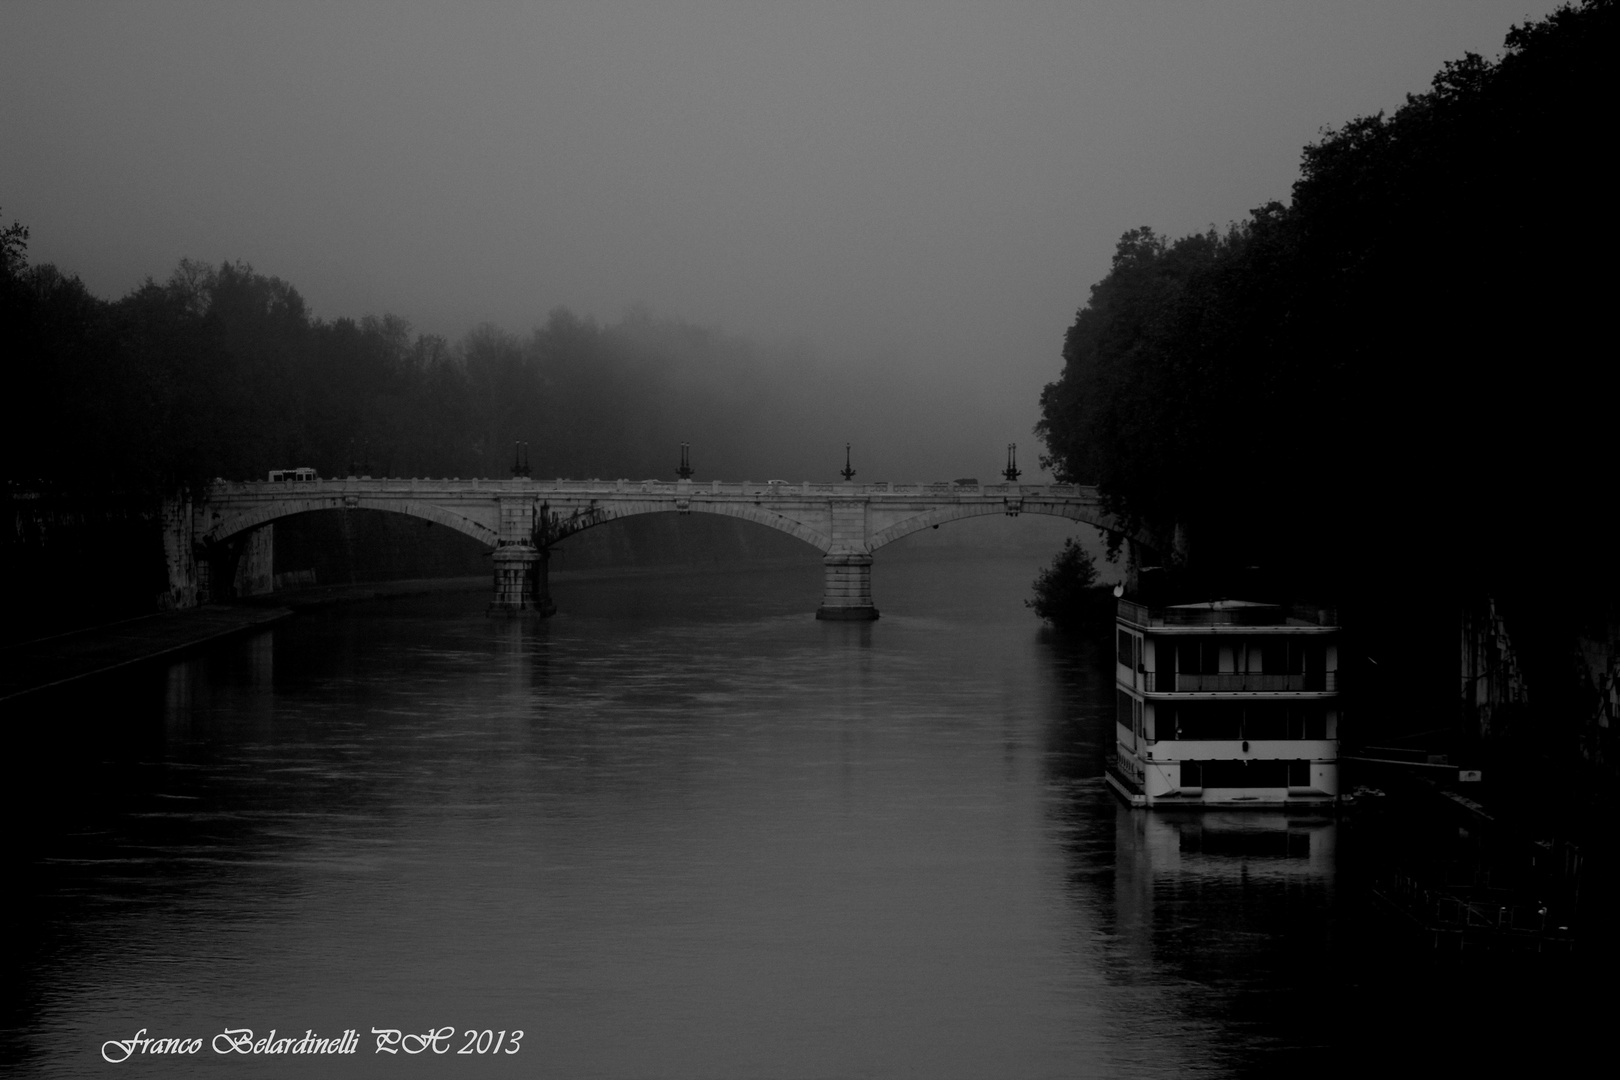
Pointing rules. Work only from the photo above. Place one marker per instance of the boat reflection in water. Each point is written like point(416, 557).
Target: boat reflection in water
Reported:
point(1248, 842)
point(1223, 933)
point(1198, 881)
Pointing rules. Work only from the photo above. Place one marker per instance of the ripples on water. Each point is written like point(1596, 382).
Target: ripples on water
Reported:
point(680, 830)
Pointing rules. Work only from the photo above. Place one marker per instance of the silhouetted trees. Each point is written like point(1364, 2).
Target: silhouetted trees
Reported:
point(13, 247)
point(222, 371)
point(1065, 592)
point(1409, 365)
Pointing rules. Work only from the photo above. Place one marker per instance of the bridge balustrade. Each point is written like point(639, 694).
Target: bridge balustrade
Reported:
point(655, 487)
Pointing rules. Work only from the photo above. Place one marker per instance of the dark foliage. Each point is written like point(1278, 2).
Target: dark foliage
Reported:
point(1407, 365)
point(1065, 592)
point(221, 371)
point(13, 248)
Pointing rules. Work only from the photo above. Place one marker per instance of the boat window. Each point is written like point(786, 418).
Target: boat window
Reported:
point(1208, 720)
point(1265, 720)
point(1248, 772)
point(1127, 649)
point(1198, 656)
point(1307, 720)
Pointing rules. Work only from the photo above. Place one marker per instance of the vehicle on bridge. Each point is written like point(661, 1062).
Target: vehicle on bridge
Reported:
point(302, 475)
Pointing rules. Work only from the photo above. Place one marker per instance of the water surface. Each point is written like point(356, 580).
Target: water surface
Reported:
point(682, 829)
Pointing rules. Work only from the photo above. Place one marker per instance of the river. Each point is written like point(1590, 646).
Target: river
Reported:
point(682, 829)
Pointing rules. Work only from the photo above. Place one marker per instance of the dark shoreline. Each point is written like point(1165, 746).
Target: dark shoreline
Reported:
point(30, 667)
point(73, 656)
point(59, 660)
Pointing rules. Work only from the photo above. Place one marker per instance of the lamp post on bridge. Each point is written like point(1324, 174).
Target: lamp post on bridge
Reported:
point(519, 563)
point(1011, 471)
point(685, 471)
point(846, 594)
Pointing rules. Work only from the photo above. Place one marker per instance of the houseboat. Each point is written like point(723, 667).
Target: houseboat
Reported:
point(1226, 703)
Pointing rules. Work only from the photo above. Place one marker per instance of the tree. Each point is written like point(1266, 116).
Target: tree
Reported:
point(1062, 592)
point(1418, 338)
point(13, 249)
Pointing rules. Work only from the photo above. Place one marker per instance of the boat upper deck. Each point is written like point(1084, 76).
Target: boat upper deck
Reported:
point(1230, 616)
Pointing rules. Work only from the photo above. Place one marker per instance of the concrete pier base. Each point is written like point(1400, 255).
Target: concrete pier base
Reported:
point(847, 594)
point(520, 586)
point(256, 563)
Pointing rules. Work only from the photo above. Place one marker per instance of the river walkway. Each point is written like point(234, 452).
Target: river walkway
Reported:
point(27, 667)
point(31, 666)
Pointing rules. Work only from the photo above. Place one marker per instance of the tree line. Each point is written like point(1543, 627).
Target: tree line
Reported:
point(223, 371)
point(1404, 371)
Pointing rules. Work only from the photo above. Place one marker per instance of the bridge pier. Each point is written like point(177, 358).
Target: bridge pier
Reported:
point(224, 570)
point(847, 593)
point(520, 586)
point(256, 563)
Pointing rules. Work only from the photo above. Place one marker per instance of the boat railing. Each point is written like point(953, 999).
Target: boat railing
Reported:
point(1259, 615)
point(1485, 916)
point(1227, 682)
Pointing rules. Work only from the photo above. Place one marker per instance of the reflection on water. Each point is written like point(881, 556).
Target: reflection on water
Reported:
point(681, 829)
point(1220, 843)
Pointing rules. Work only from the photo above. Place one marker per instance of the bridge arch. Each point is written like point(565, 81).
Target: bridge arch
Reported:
point(1087, 515)
point(758, 514)
point(269, 512)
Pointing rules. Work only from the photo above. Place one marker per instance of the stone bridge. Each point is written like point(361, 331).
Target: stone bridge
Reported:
point(222, 543)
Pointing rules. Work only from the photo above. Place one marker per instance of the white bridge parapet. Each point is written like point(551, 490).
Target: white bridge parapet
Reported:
point(521, 518)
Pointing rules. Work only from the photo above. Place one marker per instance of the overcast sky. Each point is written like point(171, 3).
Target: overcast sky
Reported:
point(928, 187)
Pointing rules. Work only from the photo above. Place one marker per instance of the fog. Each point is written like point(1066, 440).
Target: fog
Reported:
point(910, 201)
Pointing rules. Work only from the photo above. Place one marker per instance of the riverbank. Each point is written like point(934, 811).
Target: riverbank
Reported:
point(320, 596)
point(1514, 861)
point(28, 667)
point(56, 660)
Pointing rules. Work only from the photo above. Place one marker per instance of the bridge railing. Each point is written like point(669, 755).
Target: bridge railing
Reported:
point(753, 488)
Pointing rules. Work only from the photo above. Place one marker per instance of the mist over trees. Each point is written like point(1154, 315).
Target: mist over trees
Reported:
point(222, 371)
point(1404, 371)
